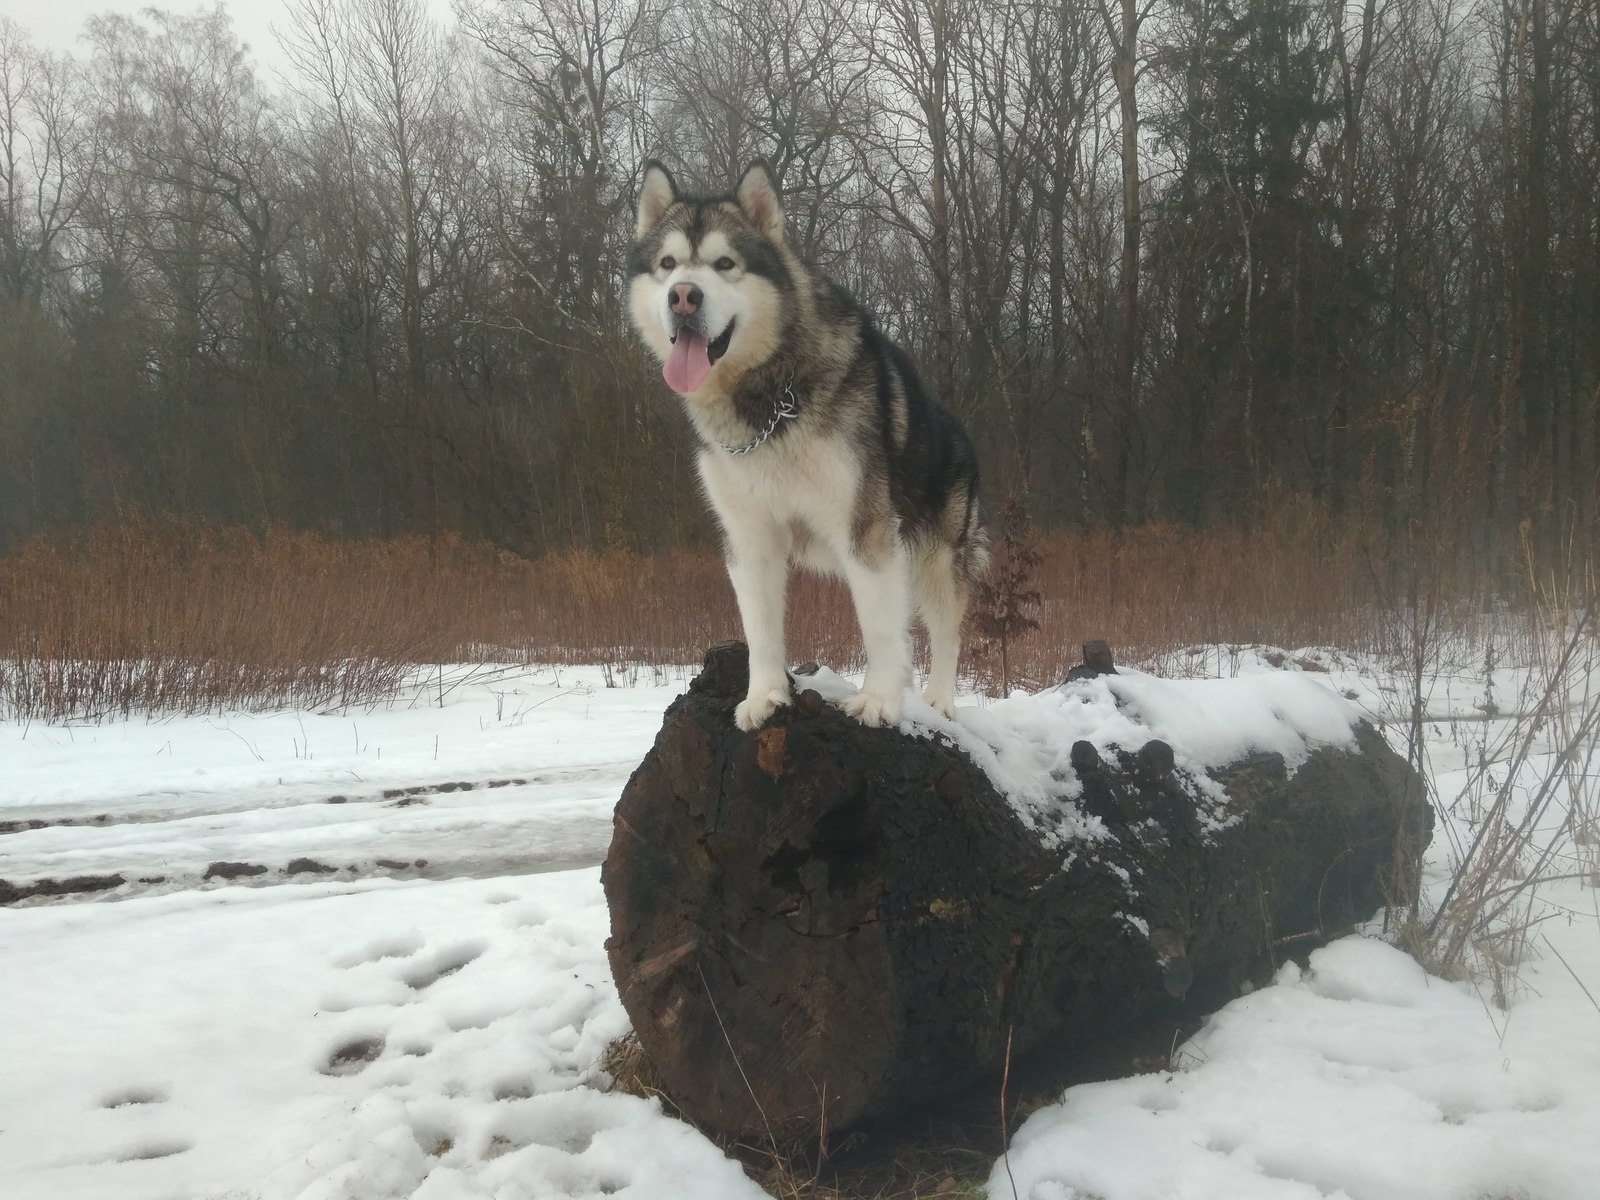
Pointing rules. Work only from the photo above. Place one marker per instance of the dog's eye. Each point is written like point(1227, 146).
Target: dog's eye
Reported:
point(724, 263)
point(668, 263)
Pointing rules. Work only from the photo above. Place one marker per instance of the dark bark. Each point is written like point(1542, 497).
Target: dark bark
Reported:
point(1125, 53)
point(820, 923)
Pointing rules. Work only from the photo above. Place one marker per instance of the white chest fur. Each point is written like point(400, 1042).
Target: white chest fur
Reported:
point(797, 498)
point(795, 488)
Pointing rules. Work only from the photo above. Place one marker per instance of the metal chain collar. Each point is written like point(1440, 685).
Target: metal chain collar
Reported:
point(787, 410)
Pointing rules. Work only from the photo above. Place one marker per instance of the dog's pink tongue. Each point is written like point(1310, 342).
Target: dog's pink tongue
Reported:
point(689, 363)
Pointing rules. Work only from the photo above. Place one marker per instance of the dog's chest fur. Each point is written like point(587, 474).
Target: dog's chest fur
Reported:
point(806, 484)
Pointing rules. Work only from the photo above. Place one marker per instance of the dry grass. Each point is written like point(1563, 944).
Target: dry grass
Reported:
point(145, 615)
point(1526, 809)
point(625, 1061)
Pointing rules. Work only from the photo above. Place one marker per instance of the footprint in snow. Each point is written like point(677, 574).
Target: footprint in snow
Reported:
point(159, 1148)
point(482, 1018)
point(441, 963)
point(353, 1057)
point(526, 915)
point(134, 1095)
point(434, 1141)
point(513, 1089)
point(394, 945)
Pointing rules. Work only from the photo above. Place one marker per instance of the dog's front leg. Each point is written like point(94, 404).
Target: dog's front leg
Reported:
point(758, 565)
point(880, 587)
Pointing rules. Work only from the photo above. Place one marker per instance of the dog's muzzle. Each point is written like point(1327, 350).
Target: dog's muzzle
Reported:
point(678, 322)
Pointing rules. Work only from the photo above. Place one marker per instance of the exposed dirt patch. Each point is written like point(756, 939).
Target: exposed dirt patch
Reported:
point(233, 870)
point(10, 892)
point(24, 825)
point(413, 795)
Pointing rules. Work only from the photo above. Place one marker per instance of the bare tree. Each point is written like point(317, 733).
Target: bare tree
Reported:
point(46, 151)
point(910, 156)
point(567, 68)
point(1122, 32)
point(786, 81)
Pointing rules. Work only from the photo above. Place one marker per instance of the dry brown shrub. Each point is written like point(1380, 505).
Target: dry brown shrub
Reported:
point(168, 615)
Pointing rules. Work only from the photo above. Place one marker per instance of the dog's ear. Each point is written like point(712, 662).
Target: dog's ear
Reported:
point(656, 195)
point(757, 194)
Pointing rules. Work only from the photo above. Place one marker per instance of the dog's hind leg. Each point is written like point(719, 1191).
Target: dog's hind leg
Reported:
point(878, 575)
point(941, 598)
point(758, 566)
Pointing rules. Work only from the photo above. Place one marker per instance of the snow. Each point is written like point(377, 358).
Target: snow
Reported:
point(216, 1044)
point(1024, 742)
point(434, 1032)
point(517, 770)
point(1213, 722)
point(202, 1038)
point(1364, 1077)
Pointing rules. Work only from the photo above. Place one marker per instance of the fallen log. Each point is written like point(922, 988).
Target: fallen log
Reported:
point(819, 923)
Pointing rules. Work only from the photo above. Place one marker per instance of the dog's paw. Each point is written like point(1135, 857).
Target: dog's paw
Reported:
point(873, 710)
point(945, 706)
point(755, 708)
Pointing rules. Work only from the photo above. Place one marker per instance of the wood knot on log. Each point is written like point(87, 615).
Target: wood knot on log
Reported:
point(770, 745)
point(950, 910)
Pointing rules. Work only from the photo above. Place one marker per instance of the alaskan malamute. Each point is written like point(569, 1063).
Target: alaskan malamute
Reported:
point(817, 442)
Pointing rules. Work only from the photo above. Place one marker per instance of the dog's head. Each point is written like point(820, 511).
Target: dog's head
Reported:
point(710, 277)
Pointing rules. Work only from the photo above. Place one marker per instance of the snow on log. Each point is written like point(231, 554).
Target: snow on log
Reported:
point(818, 923)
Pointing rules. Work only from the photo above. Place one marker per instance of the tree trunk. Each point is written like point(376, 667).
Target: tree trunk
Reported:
point(820, 923)
point(1125, 54)
point(935, 112)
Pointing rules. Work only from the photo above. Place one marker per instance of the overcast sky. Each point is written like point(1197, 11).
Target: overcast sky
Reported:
point(57, 23)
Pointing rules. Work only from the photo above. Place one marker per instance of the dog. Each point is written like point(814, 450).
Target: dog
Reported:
point(817, 442)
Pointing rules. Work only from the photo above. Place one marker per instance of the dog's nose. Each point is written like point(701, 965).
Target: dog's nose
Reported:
point(686, 298)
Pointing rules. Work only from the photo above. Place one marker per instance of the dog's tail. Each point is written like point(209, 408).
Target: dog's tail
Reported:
point(971, 543)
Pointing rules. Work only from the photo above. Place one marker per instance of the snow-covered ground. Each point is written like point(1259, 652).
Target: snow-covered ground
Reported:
point(515, 771)
point(361, 955)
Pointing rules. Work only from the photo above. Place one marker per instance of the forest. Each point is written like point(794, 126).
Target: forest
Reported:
point(1172, 261)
